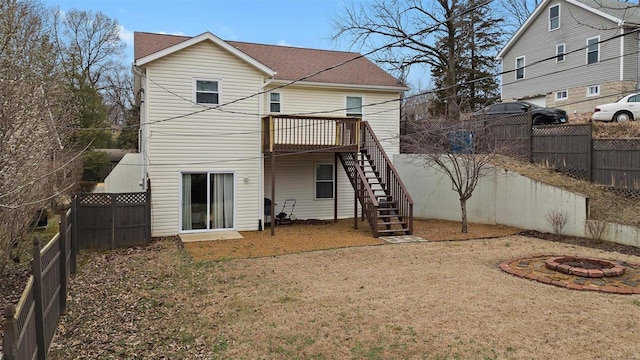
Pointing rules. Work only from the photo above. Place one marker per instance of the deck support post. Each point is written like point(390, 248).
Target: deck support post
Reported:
point(335, 187)
point(273, 192)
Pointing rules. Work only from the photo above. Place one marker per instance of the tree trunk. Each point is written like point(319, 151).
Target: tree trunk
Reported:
point(463, 208)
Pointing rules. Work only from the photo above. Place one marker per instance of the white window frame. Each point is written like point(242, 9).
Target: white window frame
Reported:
point(597, 50)
point(520, 68)
point(561, 95)
point(560, 56)
point(350, 112)
point(593, 93)
point(195, 91)
point(208, 174)
point(551, 19)
point(279, 102)
point(316, 181)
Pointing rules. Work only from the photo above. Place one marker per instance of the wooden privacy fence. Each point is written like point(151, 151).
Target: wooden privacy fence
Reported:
point(616, 163)
point(109, 221)
point(30, 325)
point(566, 148)
point(571, 149)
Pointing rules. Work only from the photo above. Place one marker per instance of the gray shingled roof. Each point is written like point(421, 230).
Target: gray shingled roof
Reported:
point(626, 11)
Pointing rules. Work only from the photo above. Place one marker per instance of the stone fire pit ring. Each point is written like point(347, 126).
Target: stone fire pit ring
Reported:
point(585, 267)
point(534, 267)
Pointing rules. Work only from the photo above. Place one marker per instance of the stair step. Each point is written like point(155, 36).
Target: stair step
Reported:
point(387, 209)
point(385, 223)
point(390, 231)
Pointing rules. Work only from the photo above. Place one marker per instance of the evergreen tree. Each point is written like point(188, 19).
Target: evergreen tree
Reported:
point(478, 35)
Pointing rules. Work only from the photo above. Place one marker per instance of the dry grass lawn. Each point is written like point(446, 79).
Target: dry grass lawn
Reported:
point(429, 300)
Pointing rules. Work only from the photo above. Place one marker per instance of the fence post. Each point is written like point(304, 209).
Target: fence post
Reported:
point(74, 234)
point(10, 342)
point(590, 154)
point(64, 276)
point(148, 210)
point(112, 244)
point(36, 270)
point(530, 127)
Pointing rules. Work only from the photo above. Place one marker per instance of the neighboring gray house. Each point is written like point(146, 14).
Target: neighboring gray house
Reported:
point(573, 54)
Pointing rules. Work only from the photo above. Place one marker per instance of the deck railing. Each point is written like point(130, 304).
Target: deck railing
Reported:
point(387, 174)
point(288, 133)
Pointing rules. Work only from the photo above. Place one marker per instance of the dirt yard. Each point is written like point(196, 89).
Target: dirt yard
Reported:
point(429, 300)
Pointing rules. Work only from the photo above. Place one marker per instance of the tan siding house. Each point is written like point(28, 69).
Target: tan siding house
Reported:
point(216, 116)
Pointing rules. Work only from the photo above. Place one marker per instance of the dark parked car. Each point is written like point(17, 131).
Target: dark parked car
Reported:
point(539, 115)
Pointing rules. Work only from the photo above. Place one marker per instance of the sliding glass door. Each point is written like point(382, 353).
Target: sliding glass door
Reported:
point(208, 201)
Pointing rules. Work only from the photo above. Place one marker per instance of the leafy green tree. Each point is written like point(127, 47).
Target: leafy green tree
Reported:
point(91, 125)
point(92, 164)
point(128, 138)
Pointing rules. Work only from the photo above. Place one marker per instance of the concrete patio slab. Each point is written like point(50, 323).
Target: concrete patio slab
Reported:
point(210, 236)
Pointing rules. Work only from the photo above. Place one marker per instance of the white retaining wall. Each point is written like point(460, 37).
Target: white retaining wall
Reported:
point(127, 176)
point(502, 197)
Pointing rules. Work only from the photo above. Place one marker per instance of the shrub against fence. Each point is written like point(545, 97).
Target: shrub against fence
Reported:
point(30, 325)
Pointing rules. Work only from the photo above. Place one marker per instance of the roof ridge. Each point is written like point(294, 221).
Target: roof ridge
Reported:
point(292, 47)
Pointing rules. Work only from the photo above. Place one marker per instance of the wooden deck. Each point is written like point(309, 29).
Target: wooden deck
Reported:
point(289, 133)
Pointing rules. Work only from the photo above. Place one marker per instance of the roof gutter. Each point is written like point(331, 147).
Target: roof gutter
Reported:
point(336, 85)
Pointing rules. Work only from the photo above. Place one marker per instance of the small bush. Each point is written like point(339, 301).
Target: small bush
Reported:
point(557, 220)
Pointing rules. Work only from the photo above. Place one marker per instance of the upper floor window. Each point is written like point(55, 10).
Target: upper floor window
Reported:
point(593, 50)
point(354, 106)
point(274, 102)
point(206, 92)
point(554, 17)
point(593, 90)
point(560, 52)
point(520, 68)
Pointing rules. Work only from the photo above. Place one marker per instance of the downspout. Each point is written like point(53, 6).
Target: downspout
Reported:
point(143, 135)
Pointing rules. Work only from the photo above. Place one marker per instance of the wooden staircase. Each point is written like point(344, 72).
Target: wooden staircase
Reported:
point(383, 199)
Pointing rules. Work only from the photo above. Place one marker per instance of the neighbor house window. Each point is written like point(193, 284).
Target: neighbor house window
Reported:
point(593, 50)
point(520, 68)
point(354, 106)
point(554, 17)
point(593, 90)
point(324, 181)
point(559, 52)
point(274, 102)
point(206, 92)
point(562, 95)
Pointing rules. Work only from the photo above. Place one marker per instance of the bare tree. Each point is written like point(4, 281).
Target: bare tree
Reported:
point(92, 53)
point(518, 11)
point(463, 151)
point(402, 34)
point(89, 46)
point(35, 117)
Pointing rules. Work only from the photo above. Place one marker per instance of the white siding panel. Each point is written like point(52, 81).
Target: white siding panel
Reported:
point(181, 137)
point(295, 179)
point(380, 109)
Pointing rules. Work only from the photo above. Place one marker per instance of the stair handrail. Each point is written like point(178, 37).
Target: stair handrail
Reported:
point(372, 216)
point(367, 130)
point(366, 185)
